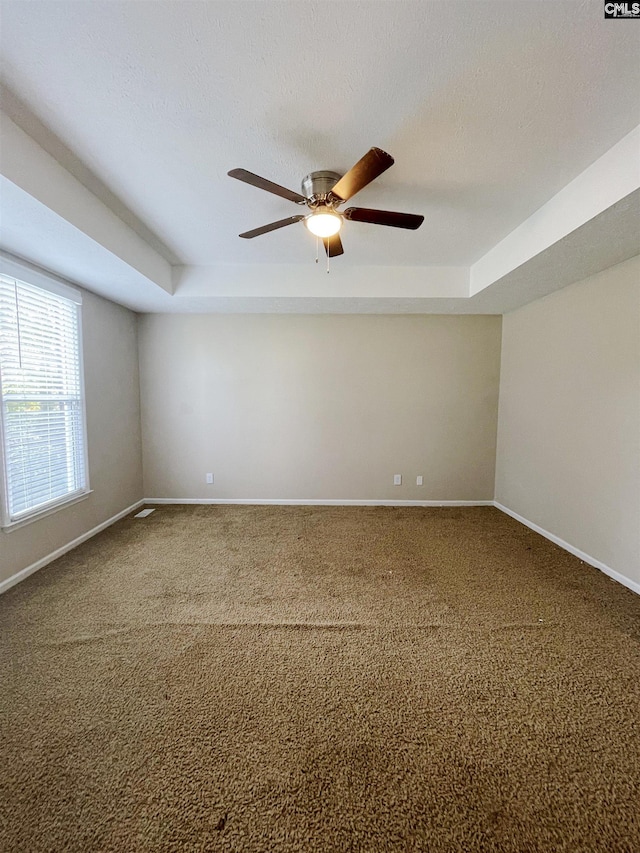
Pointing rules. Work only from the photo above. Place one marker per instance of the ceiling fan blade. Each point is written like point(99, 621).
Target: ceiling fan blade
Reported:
point(333, 246)
point(264, 184)
point(374, 163)
point(384, 217)
point(272, 226)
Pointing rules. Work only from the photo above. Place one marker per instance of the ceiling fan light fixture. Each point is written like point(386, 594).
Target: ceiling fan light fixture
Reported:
point(323, 192)
point(324, 222)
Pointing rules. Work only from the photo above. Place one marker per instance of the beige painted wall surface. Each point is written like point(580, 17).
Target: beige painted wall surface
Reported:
point(569, 423)
point(319, 407)
point(113, 435)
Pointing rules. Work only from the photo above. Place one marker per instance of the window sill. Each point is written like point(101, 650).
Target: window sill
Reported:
point(10, 526)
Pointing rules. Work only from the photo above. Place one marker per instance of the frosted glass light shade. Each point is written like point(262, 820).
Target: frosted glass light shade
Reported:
point(323, 224)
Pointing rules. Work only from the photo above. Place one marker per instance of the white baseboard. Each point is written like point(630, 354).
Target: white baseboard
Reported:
point(310, 502)
point(39, 564)
point(586, 558)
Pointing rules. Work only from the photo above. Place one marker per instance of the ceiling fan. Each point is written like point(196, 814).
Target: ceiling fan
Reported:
point(323, 193)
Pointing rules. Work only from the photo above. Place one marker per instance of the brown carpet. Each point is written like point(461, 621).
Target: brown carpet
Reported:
point(319, 679)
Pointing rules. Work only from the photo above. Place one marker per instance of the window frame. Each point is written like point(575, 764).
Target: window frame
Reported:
point(21, 271)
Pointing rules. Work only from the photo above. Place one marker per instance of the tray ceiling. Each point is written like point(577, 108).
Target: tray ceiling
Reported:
point(489, 109)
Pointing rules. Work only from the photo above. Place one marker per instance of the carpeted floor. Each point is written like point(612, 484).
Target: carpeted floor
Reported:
point(319, 679)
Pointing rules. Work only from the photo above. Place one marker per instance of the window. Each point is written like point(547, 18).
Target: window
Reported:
point(42, 413)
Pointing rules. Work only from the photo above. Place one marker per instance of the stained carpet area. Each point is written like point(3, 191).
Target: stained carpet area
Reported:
point(319, 679)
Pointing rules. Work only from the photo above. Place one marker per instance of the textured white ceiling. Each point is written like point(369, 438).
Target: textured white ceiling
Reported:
point(489, 109)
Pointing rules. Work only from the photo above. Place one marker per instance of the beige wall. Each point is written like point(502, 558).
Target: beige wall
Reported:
point(113, 433)
point(320, 406)
point(330, 407)
point(569, 423)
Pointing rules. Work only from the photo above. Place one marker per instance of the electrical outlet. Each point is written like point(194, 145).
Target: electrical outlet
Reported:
point(209, 478)
point(419, 480)
point(397, 479)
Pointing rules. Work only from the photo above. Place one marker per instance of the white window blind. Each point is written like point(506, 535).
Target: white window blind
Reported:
point(43, 428)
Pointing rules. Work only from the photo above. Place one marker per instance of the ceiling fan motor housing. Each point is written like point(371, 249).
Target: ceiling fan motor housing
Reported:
point(316, 186)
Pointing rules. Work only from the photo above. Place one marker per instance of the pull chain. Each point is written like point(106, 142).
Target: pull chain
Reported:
point(327, 257)
point(317, 248)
